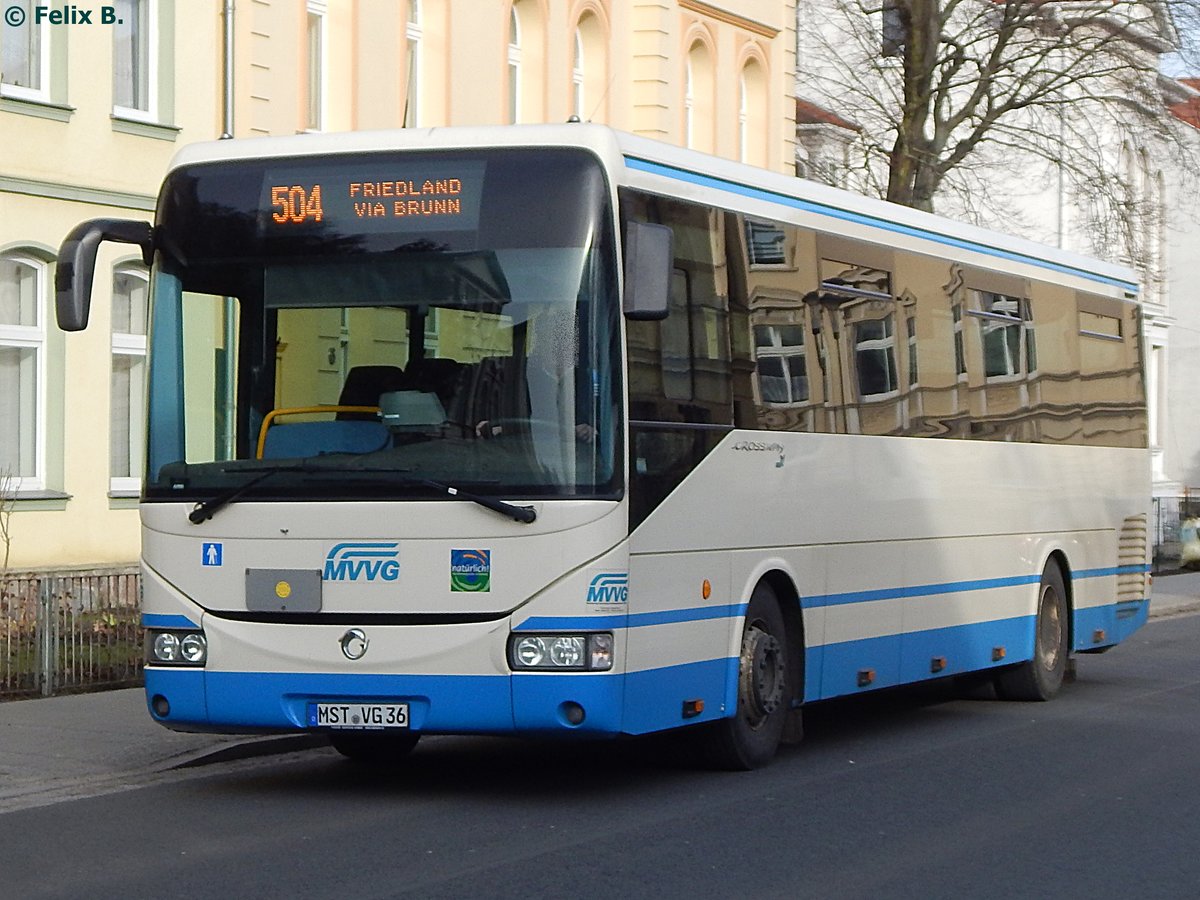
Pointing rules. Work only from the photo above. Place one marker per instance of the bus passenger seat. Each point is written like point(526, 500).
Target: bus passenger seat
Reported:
point(364, 384)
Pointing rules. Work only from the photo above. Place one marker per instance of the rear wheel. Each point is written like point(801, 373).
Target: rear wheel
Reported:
point(1041, 677)
point(374, 747)
point(751, 736)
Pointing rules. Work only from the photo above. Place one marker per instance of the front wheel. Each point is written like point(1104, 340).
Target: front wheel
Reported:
point(373, 747)
point(1041, 677)
point(751, 736)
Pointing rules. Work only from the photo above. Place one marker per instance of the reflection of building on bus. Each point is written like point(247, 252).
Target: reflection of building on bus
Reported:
point(835, 335)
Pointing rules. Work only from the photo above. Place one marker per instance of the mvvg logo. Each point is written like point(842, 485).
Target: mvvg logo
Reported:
point(609, 588)
point(370, 561)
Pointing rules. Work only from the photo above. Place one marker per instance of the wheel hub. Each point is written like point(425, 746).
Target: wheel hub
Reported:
point(762, 675)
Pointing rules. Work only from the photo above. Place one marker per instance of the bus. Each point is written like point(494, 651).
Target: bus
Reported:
point(556, 430)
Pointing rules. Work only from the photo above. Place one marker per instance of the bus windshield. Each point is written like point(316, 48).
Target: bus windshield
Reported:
point(378, 326)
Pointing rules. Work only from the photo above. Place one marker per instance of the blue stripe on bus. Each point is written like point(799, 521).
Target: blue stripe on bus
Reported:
point(918, 590)
point(633, 620)
point(636, 702)
point(1103, 573)
point(157, 620)
point(823, 209)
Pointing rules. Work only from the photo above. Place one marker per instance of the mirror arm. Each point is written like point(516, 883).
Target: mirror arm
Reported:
point(77, 264)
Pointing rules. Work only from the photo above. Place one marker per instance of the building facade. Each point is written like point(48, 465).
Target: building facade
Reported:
point(91, 114)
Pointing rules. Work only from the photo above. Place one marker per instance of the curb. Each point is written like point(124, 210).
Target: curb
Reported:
point(272, 745)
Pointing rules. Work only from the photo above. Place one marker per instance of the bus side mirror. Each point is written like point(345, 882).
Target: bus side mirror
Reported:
point(77, 264)
point(648, 261)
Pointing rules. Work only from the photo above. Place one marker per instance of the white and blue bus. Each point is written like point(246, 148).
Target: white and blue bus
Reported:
point(556, 430)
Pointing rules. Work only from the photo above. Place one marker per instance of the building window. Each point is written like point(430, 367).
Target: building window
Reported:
point(910, 325)
point(22, 370)
point(875, 356)
point(699, 109)
point(314, 118)
point(577, 76)
point(514, 65)
point(134, 63)
point(895, 29)
point(743, 117)
point(24, 60)
point(765, 243)
point(126, 413)
point(779, 363)
point(1006, 330)
point(960, 356)
point(412, 86)
point(753, 125)
point(689, 99)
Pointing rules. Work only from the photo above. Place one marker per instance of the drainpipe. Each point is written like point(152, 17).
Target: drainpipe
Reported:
point(227, 78)
point(229, 313)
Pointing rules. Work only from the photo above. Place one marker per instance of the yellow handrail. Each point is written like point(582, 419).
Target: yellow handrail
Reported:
point(304, 410)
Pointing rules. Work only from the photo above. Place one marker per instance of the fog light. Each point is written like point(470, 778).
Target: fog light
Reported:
point(194, 648)
point(573, 712)
point(165, 648)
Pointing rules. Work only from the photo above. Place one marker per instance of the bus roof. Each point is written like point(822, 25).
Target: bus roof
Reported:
point(664, 168)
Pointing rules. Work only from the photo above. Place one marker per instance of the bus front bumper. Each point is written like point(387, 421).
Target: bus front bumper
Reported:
point(188, 699)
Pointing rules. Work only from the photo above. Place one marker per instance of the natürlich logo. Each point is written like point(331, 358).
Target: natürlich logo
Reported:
point(368, 561)
point(608, 589)
point(470, 570)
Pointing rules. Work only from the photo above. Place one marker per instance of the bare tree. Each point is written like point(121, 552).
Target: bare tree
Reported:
point(949, 92)
point(8, 501)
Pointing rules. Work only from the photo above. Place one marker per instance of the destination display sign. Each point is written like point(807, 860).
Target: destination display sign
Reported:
point(322, 196)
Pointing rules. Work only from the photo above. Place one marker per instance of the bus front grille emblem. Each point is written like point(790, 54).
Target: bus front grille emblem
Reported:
point(354, 643)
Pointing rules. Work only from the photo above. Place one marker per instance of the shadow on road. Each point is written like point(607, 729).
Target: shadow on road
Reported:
point(534, 770)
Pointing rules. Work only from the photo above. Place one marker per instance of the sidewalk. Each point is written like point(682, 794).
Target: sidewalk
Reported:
point(50, 746)
point(1175, 594)
point(46, 746)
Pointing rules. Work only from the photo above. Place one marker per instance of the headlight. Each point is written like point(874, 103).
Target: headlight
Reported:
point(176, 648)
point(194, 648)
point(165, 648)
point(571, 652)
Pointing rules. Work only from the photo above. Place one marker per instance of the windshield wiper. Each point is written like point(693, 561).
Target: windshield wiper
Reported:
point(206, 509)
point(524, 514)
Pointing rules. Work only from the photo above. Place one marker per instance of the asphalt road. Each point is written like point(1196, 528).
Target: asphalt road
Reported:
point(925, 793)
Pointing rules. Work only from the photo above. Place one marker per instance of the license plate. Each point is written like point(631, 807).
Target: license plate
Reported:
point(358, 715)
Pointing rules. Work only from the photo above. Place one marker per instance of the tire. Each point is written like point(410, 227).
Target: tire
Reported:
point(749, 738)
point(1041, 677)
point(372, 747)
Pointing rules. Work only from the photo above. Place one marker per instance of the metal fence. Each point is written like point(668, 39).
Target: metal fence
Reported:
point(69, 631)
point(1175, 518)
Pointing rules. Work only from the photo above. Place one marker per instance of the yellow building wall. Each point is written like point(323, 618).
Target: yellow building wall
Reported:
point(54, 173)
point(465, 55)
